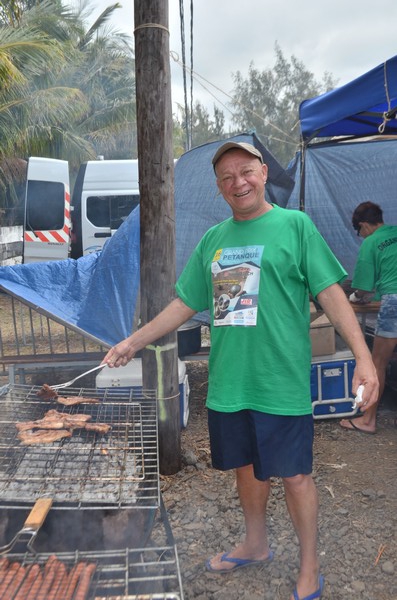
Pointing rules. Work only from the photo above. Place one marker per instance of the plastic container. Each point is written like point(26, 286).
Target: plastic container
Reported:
point(189, 338)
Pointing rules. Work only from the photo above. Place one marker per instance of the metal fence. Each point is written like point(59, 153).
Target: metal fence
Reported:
point(31, 340)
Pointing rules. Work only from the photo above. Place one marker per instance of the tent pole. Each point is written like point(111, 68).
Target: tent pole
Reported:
point(302, 177)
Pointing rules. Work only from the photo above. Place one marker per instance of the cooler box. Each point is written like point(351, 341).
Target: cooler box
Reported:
point(331, 385)
point(130, 376)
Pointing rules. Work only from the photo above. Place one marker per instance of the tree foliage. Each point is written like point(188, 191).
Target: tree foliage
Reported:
point(67, 89)
point(203, 128)
point(268, 102)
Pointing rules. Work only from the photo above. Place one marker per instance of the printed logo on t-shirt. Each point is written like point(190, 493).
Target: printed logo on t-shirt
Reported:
point(235, 282)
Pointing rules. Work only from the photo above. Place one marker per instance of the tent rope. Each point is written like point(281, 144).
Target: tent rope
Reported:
point(386, 114)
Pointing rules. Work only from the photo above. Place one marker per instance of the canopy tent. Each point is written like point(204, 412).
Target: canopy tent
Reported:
point(96, 295)
point(364, 107)
point(357, 161)
point(338, 178)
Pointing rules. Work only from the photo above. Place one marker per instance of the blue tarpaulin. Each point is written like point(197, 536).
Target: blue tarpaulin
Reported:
point(97, 294)
point(338, 177)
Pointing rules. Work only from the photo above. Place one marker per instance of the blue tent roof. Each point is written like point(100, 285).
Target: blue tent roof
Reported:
point(358, 108)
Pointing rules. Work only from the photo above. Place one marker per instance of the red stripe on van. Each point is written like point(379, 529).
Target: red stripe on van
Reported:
point(57, 237)
point(41, 236)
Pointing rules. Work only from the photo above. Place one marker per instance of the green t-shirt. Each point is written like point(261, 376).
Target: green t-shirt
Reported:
point(376, 267)
point(255, 277)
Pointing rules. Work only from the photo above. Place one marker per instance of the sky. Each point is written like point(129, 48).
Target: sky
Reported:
point(344, 37)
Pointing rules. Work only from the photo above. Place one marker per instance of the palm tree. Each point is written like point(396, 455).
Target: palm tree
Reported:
point(66, 91)
point(23, 52)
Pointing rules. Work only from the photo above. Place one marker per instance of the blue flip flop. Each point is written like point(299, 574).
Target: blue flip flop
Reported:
point(316, 594)
point(238, 563)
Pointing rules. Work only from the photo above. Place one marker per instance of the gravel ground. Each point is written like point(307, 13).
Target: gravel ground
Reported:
point(356, 476)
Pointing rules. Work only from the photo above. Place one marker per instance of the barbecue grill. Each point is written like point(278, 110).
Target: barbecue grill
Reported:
point(87, 470)
point(91, 478)
point(147, 573)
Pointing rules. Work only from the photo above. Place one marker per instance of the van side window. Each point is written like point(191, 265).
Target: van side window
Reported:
point(45, 205)
point(110, 211)
point(120, 208)
point(98, 210)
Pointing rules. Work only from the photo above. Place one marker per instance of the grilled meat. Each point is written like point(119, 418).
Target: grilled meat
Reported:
point(55, 420)
point(42, 436)
point(41, 424)
point(98, 427)
point(46, 392)
point(70, 421)
point(74, 400)
point(55, 426)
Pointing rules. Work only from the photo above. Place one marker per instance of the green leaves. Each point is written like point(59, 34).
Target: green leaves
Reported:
point(67, 88)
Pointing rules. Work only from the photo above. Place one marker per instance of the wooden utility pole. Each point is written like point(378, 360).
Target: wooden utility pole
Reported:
point(157, 235)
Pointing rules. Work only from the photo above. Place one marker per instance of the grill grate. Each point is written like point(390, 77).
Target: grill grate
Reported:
point(142, 573)
point(151, 572)
point(87, 470)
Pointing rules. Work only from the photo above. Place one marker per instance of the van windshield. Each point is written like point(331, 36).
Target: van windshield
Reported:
point(45, 206)
point(110, 211)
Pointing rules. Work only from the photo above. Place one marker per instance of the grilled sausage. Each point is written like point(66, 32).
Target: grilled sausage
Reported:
point(9, 575)
point(72, 580)
point(83, 585)
point(60, 576)
point(63, 586)
point(4, 564)
point(7, 580)
point(30, 577)
point(31, 595)
point(48, 578)
point(15, 583)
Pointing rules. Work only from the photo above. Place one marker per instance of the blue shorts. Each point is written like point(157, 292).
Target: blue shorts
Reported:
point(386, 324)
point(276, 446)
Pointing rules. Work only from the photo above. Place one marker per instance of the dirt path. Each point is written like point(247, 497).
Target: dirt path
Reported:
point(356, 476)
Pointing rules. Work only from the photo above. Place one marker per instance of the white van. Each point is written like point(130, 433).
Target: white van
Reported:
point(46, 233)
point(104, 194)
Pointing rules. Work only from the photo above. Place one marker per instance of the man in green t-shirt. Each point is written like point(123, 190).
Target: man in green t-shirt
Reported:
point(254, 272)
point(376, 271)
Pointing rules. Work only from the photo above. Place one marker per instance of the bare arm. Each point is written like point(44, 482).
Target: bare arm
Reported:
point(172, 317)
point(339, 311)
